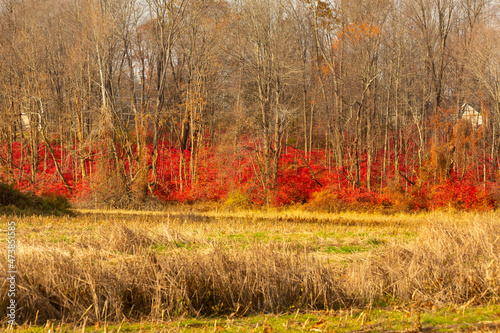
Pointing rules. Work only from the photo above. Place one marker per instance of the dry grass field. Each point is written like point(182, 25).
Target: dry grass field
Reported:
point(119, 271)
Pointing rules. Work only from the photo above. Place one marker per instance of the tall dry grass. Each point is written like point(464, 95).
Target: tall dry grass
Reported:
point(265, 278)
point(447, 263)
point(156, 271)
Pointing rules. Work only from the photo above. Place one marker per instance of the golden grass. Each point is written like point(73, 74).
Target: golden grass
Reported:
point(111, 266)
point(273, 214)
point(449, 262)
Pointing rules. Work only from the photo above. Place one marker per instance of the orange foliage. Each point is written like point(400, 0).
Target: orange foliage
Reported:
point(355, 32)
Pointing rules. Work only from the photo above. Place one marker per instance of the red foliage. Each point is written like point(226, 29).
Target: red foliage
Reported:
point(295, 181)
point(459, 195)
point(301, 179)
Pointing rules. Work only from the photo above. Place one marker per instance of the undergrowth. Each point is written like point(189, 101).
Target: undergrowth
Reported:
point(13, 201)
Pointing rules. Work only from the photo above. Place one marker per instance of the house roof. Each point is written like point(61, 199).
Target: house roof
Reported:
point(471, 114)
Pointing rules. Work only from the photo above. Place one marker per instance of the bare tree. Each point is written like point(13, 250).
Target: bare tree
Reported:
point(267, 58)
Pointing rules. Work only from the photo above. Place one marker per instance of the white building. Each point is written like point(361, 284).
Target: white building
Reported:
point(25, 122)
point(470, 114)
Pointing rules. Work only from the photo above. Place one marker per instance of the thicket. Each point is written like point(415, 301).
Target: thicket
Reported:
point(306, 181)
point(14, 201)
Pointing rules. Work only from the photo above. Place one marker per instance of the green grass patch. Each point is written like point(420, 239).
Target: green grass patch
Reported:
point(236, 237)
point(62, 239)
point(401, 318)
point(345, 249)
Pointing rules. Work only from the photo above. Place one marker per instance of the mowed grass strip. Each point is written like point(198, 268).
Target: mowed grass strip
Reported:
point(401, 319)
point(105, 268)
